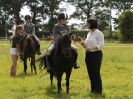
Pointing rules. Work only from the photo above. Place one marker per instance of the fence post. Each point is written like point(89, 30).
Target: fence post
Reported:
point(43, 37)
point(6, 36)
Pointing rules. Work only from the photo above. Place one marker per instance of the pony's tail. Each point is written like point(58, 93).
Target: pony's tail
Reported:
point(42, 61)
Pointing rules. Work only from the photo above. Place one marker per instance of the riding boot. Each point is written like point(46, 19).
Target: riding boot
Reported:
point(76, 66)
point(48, 67)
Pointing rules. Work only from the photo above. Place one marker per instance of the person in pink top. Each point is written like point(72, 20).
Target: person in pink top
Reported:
point(93, 45)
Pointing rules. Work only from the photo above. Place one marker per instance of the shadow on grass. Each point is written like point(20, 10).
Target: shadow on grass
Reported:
point(22, 75)
point(51, 91)
point(95, 96)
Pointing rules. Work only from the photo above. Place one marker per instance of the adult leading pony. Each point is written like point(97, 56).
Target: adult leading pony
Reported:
point(28, 49)
point(63, 58)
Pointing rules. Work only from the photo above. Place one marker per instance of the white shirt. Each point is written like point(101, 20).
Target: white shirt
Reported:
point(94, 40)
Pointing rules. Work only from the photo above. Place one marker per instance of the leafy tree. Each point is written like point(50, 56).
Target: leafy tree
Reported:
point(121, 5)
point(103, 25)
point(50, 10)
point(15, 6)
point(126, 25)
point(86, 8)
point(4, 17)
point(43, 10)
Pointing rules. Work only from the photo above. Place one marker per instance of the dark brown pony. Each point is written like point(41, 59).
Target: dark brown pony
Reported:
point(62, 61)
point(28, 49)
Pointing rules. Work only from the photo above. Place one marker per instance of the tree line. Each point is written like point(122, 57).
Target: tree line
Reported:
point(43, 10)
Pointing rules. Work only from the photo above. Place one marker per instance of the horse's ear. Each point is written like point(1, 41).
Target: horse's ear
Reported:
point(71, 33)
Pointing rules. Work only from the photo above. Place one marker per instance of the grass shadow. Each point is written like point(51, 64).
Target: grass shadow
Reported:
point(95, 96)
point(22, 75)
point(51, 91)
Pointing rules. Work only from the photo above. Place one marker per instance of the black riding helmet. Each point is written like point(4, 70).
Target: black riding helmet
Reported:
point(27, 17)
point(62, 16)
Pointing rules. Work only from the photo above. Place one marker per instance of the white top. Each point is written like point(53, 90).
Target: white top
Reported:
point(94, 40)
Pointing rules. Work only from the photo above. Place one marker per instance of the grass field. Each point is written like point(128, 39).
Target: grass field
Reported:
point(116, 72)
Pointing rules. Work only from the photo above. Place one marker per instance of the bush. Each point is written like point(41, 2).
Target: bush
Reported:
point(116, 35)
point(126, 26)
point(82, 33)
point(40, 34)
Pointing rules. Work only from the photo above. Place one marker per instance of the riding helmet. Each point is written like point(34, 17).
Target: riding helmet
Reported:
point(27, 17)
point(62, 16)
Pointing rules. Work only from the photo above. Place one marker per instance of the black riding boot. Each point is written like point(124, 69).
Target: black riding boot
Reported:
point(48, 67)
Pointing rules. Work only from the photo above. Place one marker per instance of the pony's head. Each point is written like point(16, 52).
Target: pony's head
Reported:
point(63, 44)
point(26, 46)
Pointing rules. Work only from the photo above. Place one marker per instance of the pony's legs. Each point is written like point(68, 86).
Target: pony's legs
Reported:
point(51, 77)
point(32, 64)
point(68, 74)
point(25, 65)
point(14, 64)
point(59, 78)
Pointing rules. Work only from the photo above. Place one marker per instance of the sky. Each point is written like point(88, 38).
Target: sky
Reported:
point(25, 10)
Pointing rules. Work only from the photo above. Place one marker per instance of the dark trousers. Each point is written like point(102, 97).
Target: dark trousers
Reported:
point(93, 63)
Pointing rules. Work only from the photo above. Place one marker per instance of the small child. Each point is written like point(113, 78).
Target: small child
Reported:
point(14, 50)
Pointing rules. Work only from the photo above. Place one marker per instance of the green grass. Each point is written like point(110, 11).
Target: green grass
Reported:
point(116, 72)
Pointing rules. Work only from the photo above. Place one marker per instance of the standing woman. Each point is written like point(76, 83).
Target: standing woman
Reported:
point(93, 59)
point(14, 50)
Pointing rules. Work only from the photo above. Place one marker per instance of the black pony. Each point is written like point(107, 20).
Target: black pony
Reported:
point(63, 58)
point(28, 49)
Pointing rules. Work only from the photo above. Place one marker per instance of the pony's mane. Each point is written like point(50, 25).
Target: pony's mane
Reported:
point(62, 42)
